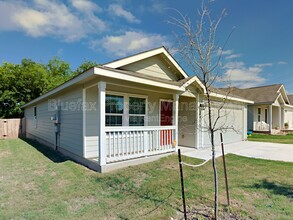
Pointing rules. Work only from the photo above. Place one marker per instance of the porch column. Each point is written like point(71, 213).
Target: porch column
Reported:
point(270, 119)
point(280, 117)
point(244, 122)
point(197, 123)
point(84, 121)
point(175, 117)
point(101, 122)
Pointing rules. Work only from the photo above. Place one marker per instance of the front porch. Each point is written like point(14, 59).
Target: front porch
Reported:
point(268, 119)
point(119, 132)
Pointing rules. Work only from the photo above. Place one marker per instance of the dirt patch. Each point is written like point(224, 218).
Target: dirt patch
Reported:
point(31, 186)
point(62, 182)
point(74, 205)
point(139, 179)
point(4, 154)
point(206, 213)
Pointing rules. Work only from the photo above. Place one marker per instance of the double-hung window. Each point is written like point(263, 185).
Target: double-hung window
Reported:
point(114, 110)
point(137, 111)
point(125, 110)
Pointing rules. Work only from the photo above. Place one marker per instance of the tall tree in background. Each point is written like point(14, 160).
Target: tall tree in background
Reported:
point(199, 49)
point(21, 83)
point(86, 65)
point(58, 71)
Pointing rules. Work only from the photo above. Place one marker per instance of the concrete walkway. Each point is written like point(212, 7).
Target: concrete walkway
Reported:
point(262, 150)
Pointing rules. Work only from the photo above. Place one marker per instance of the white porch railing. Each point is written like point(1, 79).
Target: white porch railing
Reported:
point(123, 143)
point(261, 126)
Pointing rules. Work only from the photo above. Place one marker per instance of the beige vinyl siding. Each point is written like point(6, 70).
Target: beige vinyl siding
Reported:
point(45, 128)
point(70, 119)
point(288, 118)
point(71, 138)
point(187, 122)
point(153, 66)
point(234, 117)
point(91, 135)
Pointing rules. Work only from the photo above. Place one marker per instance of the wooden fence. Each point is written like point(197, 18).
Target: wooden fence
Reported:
point(12, 128)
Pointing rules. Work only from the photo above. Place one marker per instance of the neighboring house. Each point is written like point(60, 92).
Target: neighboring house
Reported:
point(272, 108)
point(129, 110)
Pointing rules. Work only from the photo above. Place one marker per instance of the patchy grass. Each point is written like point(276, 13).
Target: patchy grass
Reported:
point(37, 183)
point(283, 139)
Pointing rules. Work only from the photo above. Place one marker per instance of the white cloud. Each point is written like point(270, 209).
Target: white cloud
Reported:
point(233, 56)
point(263, 64)
point(130, 42)
point(282, 63)
point(121, 12)
point(234, 65)
point(241, 76)
point(157, 7)
point(227, 54)
point(48, 18)
point(224, 52)
point(85, 6)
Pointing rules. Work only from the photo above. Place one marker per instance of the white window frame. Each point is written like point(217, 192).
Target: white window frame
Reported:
point(125, 115)
point(115, 114)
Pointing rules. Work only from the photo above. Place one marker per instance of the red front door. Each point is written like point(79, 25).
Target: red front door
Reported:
point(166, 118)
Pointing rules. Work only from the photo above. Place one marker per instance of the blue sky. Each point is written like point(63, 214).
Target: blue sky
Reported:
point(259, 52)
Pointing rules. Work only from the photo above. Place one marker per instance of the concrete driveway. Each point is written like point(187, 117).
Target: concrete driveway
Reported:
point(262, 150)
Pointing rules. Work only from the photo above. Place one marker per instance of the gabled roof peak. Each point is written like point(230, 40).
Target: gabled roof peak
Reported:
point(144, 55)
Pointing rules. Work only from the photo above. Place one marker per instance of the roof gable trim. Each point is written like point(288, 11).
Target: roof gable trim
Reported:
point(137, 57)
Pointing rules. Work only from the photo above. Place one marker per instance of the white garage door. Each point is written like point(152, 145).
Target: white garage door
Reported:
point(231, 121)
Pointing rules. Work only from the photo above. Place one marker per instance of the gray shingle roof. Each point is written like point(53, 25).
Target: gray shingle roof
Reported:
point(262, 94)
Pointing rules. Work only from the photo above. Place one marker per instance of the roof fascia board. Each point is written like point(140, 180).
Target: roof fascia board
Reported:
point(288, 106)
point(61, 87)
point(116, 75)
point(216, 95)
point(284, 90)
point(189, 82)
point(144, 55)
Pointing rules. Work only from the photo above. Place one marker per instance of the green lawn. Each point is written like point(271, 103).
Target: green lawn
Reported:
point(36, 183)
point(283, 139)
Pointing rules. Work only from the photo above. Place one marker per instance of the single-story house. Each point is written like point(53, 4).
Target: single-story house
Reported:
point(272, 110)
point(129, 110)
